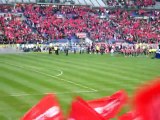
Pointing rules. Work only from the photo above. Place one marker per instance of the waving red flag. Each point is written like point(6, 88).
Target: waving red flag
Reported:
point(99, 109)
point(47, 109)
point(80, 110)
point(109, 106)
point(147, 101)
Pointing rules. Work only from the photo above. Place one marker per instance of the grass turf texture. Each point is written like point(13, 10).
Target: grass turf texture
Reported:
point(25, 78)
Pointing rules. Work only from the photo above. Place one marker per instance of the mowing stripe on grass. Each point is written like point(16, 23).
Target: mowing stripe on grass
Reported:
point(104, 73)
point(80, 85)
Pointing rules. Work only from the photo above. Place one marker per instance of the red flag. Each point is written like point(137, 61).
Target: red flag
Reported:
point(147, 101)
point(109, 106)
point(130, 116)
point(80, 110)
point(47, 109)
point(99, 109)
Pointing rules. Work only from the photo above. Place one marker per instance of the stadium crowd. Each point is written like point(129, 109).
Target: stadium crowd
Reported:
point(38, 23)
point(47, 22)
point(56, 23)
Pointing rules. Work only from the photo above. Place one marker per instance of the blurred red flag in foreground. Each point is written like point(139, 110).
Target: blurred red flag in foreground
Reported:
point(47, 109)
point(99, 109)
point(80, 110)
point(147, 101)
point(109, 106)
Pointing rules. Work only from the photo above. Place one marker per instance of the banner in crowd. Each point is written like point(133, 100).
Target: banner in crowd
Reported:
point(47, 109)
point(81, 35)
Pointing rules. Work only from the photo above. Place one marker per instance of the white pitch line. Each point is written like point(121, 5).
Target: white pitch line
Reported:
point(61, 73)
point(53, 76)
point(38, 68)
point(80, 85)
point(25, 94)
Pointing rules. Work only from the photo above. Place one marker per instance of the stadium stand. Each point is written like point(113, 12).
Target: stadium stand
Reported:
point(46, 23)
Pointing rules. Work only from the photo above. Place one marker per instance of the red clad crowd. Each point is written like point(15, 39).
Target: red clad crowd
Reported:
point(48, 23)
point(16, 29)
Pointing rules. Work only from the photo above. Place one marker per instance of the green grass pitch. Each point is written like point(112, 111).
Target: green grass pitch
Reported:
point(25, 78)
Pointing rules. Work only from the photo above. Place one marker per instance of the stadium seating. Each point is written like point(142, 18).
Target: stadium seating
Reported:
point(49, 23)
